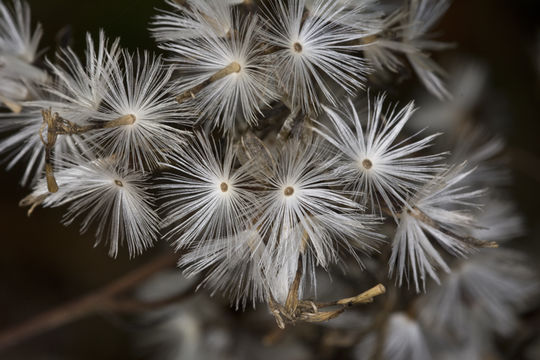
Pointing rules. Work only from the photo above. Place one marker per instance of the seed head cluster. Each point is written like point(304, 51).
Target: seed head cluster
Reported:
point(254, 147)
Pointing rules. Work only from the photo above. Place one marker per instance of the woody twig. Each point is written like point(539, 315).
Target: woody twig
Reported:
point(296, 310)
point(56, 125)
point(232, 68)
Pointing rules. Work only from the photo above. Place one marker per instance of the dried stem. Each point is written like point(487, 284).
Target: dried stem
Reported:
point(232, 68)
point(421, 216)
point(11, 105)
point(291, 304)
point(104, 299)
point(33, 202)
point(57, 125)
point(49, 120)
point(468, 240)
point(304, 310)
point(121, 121)
point(364, 298)
point(294, 119)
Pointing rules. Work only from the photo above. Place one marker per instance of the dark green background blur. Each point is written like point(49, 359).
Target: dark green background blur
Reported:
point(43, 264)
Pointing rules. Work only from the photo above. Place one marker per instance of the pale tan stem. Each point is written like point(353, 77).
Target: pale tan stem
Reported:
point(368, 39)
point(59, 126)
point(50, 120)
point(52, 185)
point(232, 68)
point(469, 240)
point(121, 121)
point(365, 297)
point(33, 202)
point(291, 303)
point(11, 105)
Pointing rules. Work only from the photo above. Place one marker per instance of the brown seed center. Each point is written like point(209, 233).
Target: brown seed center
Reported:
point(289, 190)
point(297, 47)
point(119, 183)
point(224, 187)
point(367, 164)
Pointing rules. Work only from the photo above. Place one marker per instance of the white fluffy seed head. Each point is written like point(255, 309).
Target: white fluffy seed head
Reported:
point(138, 87)
point(193, 20)
point(232, 267)
point(16, 36)
point(483, 152)
point(206, 197)
point(405, 339)
point(382, 49)
point(80, 86)
point(490, 287)
point(499, 221)
point(18, 52)
point(241, 93)
point(303, 213)
point(108, 199)
point(423, 15)
point(442, 211)
point(315, 51)
point(379, 161)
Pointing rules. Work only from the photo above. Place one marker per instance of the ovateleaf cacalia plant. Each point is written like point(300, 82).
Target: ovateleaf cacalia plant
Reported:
point(254, 146)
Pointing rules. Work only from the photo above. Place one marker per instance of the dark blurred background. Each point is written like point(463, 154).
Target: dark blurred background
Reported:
point(43, 264)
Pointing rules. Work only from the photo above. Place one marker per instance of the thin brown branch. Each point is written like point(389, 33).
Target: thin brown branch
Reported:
point(96, 301)
point(134, 306)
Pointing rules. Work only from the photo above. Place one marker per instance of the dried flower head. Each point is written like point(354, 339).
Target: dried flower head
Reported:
point(225, 79)
point(107, 197)
point(192, 20)
point(18, 51)
point(423, 15)
point(137, 96)
point(80, 86)
point(491, 287)
point(440, 211)
point(304, 212)
point(314, 51)
point(24, 144)
point(206, 197)
point(378, 163)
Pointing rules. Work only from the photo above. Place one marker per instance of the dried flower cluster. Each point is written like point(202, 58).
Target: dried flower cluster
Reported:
point(253, 146)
